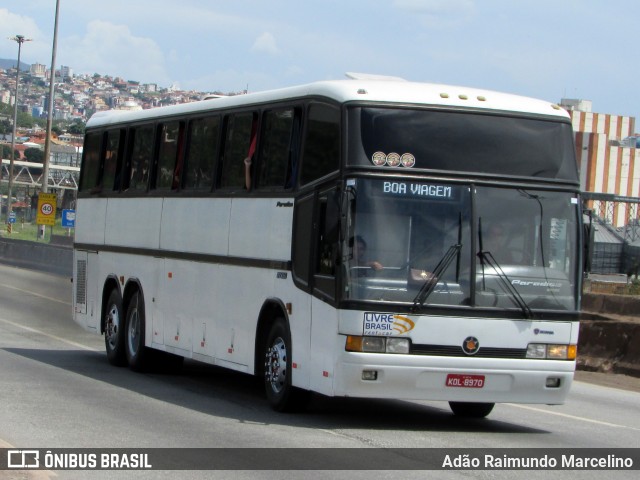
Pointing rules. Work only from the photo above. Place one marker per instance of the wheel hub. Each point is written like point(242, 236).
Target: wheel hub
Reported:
point(275, 366)
point(112, 325)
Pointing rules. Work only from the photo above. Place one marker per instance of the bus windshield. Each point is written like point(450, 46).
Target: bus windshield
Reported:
point(420, 242)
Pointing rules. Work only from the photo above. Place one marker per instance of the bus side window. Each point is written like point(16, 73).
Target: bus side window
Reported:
point(112, 161)
point(302, 241)
point(201, 154)
point(91, 162)
point(327, 245)
point(168, 167)
point(278, 149)
point(321, 155)
point(237, 146)
point(141, 144)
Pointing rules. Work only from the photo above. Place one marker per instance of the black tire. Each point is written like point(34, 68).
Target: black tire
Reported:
point(282, 396)
point(471, 410)
point(114, 330)
point(137, 353)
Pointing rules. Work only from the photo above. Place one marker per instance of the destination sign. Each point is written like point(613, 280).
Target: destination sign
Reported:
point(425, 190)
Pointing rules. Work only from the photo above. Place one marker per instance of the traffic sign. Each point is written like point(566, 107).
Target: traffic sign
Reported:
point(12, 217)
point(46, 214)
point(68, 218)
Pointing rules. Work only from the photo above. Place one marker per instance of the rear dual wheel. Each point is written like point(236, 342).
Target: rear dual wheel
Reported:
point(137, 354)
point(114, 330)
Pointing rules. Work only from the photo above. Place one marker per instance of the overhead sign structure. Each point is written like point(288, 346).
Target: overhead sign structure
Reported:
point(46, 209)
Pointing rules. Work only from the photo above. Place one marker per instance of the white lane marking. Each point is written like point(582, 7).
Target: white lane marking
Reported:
point(572, 417)
point(11, 287)
point(48, 335)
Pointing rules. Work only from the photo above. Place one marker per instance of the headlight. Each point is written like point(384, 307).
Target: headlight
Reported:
point(377, 344)
point(536, 350)
point(552, 352)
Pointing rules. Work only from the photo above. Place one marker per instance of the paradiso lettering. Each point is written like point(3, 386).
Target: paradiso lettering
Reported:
point(418, 189)
point(386, 324)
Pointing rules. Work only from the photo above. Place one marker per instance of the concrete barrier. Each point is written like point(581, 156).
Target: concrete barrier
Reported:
point(610, 334)
point(610, 346)
point(56, 259)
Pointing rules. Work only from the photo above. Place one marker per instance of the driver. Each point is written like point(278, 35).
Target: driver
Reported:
point(360, 255)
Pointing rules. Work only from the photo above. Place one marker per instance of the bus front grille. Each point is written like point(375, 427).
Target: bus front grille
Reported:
point(456, 351)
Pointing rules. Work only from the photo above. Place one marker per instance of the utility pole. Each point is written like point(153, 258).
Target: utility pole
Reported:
point(20, 40)
point(47, 140)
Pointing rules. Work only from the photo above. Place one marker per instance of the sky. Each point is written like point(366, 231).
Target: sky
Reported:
point(548, 49)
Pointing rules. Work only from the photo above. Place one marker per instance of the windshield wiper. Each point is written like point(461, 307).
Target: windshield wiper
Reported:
point(505, 281)
point(430, 283)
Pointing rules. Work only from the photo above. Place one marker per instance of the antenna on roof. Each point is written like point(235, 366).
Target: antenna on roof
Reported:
point(372, 76)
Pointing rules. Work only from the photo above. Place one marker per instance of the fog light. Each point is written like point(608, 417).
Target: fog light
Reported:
point(373, 375)
point(553, 382)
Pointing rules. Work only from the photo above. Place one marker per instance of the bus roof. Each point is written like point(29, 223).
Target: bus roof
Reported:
point(352, 90)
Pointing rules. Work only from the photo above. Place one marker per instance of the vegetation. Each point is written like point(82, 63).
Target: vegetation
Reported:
point(34, 155)
point(29, 231)
point(25, 120)
point(76, 128)
point(6, 152)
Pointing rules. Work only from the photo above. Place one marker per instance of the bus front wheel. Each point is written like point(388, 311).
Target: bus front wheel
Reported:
point(471, 410)
point(114, 330)
point(282, 396)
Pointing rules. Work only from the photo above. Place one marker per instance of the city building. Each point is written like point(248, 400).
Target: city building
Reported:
point(609, 158)
point(38, 70)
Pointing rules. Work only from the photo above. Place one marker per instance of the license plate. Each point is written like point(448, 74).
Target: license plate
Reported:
point(464, 381)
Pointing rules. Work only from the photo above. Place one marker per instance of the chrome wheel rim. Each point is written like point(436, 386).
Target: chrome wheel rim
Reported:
point(112, 326)
point(276, 365)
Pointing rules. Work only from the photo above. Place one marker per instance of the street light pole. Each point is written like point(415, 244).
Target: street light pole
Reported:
point(47, 139)
point(20, 39)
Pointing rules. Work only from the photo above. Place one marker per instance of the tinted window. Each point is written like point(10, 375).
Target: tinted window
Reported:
point(240, 130)
point(168, 167)
point(322, 143)
point(140, 160)
point(277, 151)
point(112, 161)
point(203, 144)
point(91, 161)
point(463, 141)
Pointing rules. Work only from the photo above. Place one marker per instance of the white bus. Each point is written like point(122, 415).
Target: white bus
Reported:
point(361, 238)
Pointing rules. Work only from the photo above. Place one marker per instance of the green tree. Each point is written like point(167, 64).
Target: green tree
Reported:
point(5, 127)
point(6, 152)
point(25, 120)
point(34, 155)
point(76, 128)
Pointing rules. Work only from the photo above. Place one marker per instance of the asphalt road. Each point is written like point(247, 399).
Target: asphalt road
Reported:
point(58, 391)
